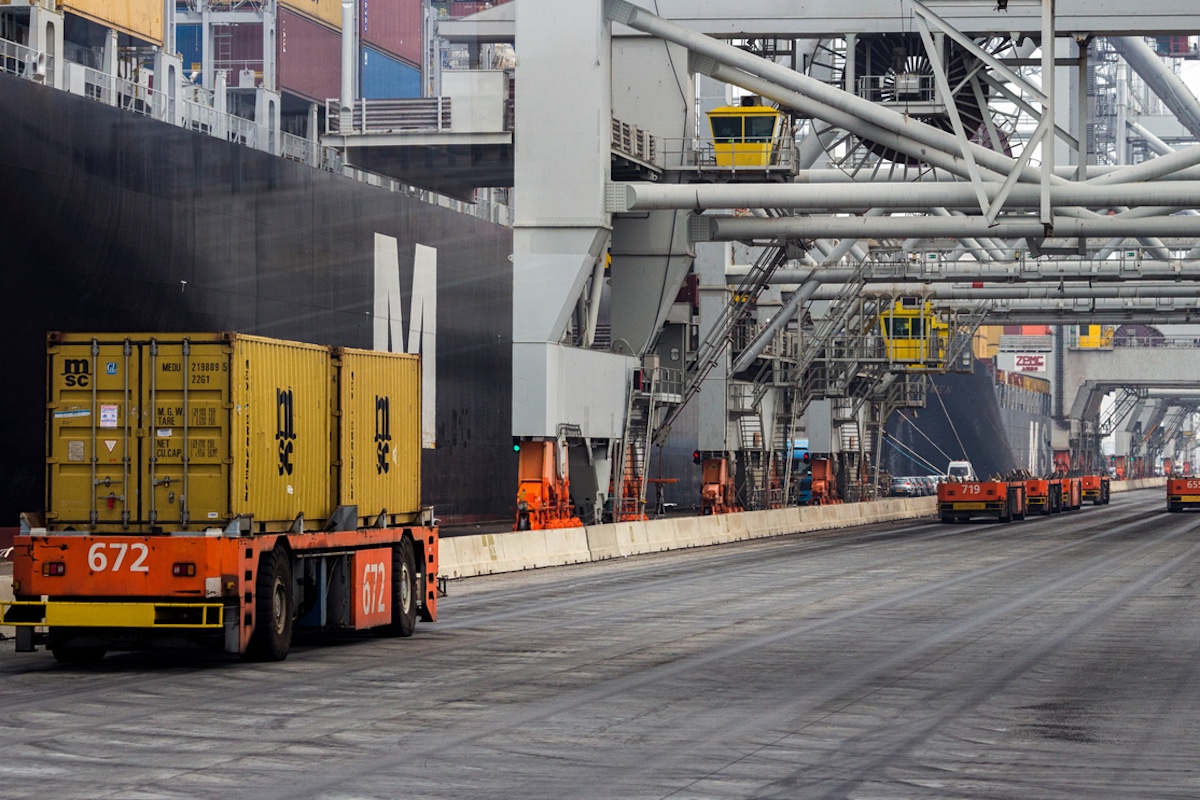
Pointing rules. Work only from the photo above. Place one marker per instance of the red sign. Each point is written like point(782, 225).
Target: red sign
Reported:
point(1031, 362)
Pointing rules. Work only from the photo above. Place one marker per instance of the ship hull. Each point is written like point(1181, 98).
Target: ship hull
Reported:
point(967, 417)
point(112, 221)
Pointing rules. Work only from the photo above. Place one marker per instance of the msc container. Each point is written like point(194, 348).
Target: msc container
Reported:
point(393, 26)
point(326, 11)
point(384, 77)
point(165, 432)
point(379, 436)
point(309, 60)
point(139, 18)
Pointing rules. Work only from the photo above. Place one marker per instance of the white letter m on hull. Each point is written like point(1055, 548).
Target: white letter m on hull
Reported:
point(422, 326)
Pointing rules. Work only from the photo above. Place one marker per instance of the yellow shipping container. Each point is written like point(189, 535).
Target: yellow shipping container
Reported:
point(167, 432)
point(140, 18)
point(326, 11)
point(380, 434)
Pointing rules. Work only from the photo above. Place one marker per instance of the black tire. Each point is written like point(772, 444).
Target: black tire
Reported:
point(66, 654)
point(404, 592)
point(274, 608)
point(1172, 507)
point(1007, 514)
point(946, 520)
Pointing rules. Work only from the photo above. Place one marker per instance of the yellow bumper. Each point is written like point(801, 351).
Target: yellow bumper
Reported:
point(71, 614)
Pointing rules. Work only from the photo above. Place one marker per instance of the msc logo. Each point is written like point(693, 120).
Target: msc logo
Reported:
point(383, 433)
point(285, 429)
point(76, 372)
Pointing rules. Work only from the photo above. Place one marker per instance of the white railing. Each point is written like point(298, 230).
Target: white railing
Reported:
point(196, 113)
point(17, 59)
point(388, 116)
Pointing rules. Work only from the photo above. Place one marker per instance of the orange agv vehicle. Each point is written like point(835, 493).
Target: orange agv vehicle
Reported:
point(1095, 488)
point(1183, 493)
point(1004, 500)
point(223, 490)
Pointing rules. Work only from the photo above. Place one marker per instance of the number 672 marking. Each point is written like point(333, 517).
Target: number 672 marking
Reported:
point(98, 559)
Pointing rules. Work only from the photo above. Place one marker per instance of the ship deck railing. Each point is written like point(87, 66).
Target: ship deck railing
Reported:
point(193, 109)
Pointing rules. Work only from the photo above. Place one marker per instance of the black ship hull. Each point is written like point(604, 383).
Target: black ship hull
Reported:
point(112, 222)
point(963, 420)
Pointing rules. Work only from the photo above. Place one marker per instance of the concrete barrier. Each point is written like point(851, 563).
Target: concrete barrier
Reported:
point(1136, 483)
point(467, 556)
point(487, 554)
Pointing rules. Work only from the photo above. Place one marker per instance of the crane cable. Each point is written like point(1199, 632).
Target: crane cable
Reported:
point(953, 429)
point(926, 436)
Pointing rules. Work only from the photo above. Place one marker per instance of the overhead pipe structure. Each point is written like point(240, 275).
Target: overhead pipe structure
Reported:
point(826, 176)
point(810, 96)
point(723, 229)
point(994, 272)
point(828, 291)
point(802, 197)
point(1099, 317)
point(1174, 93)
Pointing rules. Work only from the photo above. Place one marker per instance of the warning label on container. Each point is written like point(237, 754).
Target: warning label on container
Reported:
point(108, 415)
point(110, 444)
point(73, 413)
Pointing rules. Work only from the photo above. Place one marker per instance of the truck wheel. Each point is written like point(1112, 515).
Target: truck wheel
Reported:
point(1006, 514)
point(273, 607)
point(404, 591)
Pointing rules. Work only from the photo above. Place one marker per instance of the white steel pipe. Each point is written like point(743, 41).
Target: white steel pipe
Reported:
point(829, 291)
point(349, 31)
point(749, 228)
point(701, 196)
point(1010, 272)
point(1174, 93)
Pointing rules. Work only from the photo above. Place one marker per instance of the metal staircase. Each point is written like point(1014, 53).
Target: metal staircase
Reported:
point(710, 351)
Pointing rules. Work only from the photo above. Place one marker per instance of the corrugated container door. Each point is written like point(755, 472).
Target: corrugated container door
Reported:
point(282, 424)
point(141, 18)
point(185, 396)
point(328, 11)
point(380, 436)
point(310, 57)
point(92, 446)
point(394, 26)
point(384, 77)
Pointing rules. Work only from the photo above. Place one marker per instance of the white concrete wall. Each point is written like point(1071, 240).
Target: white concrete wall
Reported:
point(467, 556)
point(488, 554)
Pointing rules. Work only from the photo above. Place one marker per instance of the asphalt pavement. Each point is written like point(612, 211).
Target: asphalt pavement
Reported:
point(1053, 658)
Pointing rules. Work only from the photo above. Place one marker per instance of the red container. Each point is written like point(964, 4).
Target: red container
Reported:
point(461, 8)
point(393, 26)
point(309, 57)
point(238, 47)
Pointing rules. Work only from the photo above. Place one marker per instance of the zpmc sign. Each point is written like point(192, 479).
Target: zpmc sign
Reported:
point(1030, 362)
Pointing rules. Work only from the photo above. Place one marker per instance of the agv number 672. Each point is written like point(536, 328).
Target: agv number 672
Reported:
point(99, 561)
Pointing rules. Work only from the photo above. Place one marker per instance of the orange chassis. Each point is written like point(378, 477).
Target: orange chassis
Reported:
point(199, 585)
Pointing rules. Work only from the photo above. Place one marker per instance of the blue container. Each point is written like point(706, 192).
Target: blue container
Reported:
point(187, 43)
point(385, 77)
